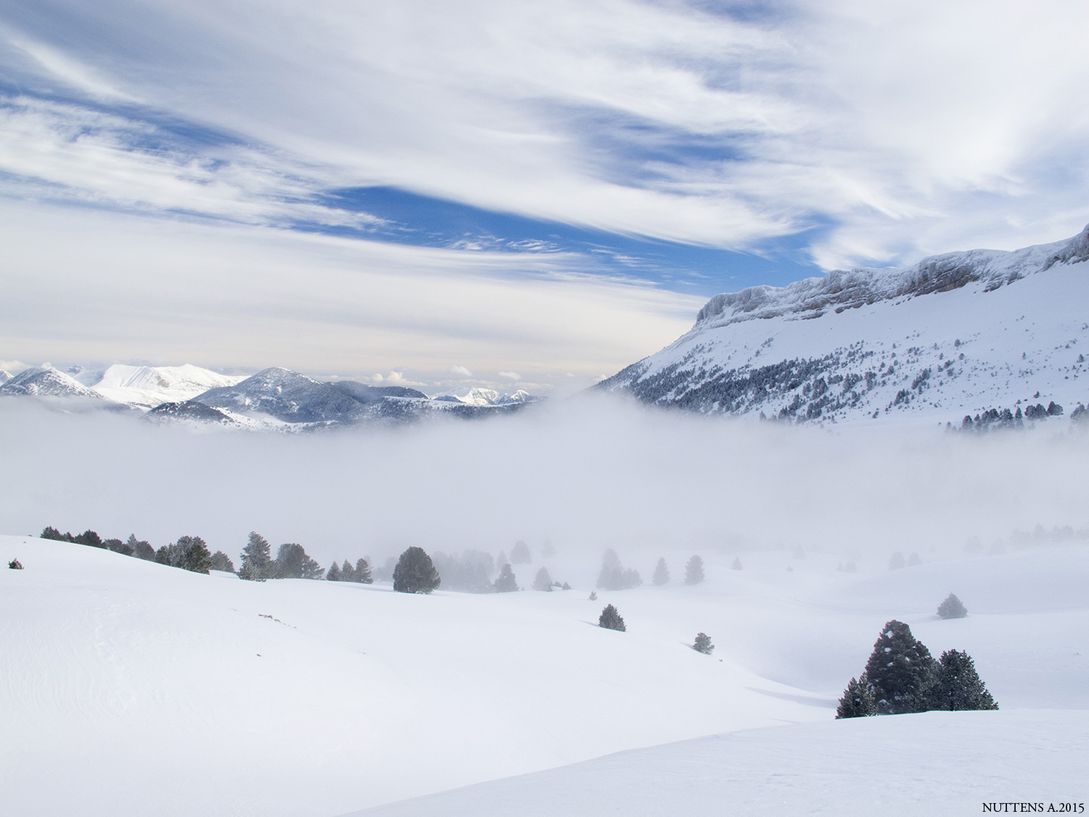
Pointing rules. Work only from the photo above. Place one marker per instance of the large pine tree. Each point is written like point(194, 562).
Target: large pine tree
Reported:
point(362, 572)
point(256, 559)
point(900, 671)
point(543, 580)
point(415, 572)
point(661, 573)
point(505, 581)
point(958, 685)
point(693, 571)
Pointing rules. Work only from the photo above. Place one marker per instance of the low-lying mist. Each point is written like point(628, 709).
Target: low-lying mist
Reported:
point(582, 475)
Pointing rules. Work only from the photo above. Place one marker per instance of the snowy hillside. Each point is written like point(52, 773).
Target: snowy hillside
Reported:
point(893, 767)
point(320, 698)
point(953, 335)
point(149, 386)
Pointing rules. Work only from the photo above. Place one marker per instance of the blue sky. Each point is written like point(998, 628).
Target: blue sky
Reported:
point(621, 160)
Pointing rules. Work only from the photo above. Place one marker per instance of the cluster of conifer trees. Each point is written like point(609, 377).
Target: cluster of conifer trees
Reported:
point(901, 676)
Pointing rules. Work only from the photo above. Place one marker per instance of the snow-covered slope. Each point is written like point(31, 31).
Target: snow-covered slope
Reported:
point(149, 386)
point(5, 376)
point(45, 381)
point(952, 335)
point(935, 763)
point(321, 698)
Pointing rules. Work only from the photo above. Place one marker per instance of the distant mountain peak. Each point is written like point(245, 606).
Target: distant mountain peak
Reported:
point(45, 381)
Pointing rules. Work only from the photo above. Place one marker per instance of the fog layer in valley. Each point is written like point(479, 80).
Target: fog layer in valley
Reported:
point(582, 475)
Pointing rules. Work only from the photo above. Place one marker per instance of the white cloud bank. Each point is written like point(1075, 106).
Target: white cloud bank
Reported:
point(908, 130)
point(242, 298)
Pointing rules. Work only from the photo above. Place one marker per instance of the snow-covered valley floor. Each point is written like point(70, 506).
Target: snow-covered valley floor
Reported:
point(129, 688)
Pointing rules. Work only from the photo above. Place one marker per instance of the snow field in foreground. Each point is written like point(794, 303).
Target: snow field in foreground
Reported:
point(151, 690)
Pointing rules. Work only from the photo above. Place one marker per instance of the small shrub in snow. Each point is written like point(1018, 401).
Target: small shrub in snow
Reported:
point(610, 619)
point(952, 607)
point(593, 595)
point(703, 644)
point(15, 564)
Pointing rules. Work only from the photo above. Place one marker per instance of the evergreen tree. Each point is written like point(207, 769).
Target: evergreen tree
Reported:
point(505, 581)
point(256, 559)
point(117, 546)
point(501, 559)
point(347, 572)
point(52, 533)
point(519, 554)
point(661, 573)
point(415, 572)
point(194, 555)
point(703, 644)
point(293, 562)
point(221, 561)
point(896, 561)
point(693, 571)
point(363, 572)
point(333, 574)
point(914, 560)
point(140, 548)
point(952, 607)
point(958, 686)
point(900, 670)
point(614, 576)
point(737, 563)
point(857, 700)
point(89, 537)
point(610, 619)
point(543, 580)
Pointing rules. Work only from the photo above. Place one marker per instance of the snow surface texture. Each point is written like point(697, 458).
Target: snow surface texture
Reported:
point(935, 763)
point(158, 691)
point(952, 335)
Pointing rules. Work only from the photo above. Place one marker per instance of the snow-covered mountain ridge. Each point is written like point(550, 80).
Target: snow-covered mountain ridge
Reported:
point(952, 335)
point(273, 398)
